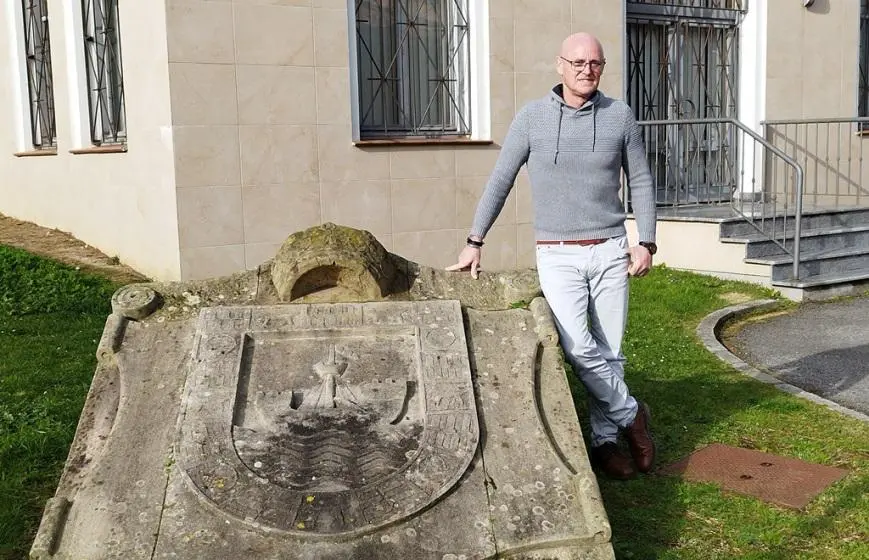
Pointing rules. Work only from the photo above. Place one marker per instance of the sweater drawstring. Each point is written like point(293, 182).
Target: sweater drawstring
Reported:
point(558, 136)
point(593, 126)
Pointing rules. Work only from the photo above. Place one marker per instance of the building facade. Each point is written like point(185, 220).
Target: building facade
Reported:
point(190, 137)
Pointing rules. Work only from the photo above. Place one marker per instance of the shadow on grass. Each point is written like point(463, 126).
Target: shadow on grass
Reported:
point(648, 513)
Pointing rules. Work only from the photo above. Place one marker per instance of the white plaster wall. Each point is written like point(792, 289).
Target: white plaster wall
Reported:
point(752, 92)
point(752, 64)
point(121, 203)
point(695, 246)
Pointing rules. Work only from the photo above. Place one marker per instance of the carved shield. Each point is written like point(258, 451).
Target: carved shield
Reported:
point(328, 419)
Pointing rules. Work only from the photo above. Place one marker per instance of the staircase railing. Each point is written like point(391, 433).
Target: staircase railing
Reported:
point(700, 161)
point(832, 154)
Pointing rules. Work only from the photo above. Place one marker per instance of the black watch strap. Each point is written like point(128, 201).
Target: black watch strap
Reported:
point(650, 246)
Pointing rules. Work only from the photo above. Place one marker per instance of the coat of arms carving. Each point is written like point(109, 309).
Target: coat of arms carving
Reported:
point(328, 419)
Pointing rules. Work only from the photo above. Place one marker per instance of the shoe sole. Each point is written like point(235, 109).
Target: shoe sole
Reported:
point(601, 472)
point(597, 468)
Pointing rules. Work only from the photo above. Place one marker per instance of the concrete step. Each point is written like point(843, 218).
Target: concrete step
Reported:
point(815, 220)
point(812, 241)
point(834, 245)
point(845, 263)
point(824, 280)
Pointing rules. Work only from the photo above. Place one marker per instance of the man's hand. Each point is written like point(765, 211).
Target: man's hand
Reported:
point(469, 257)
point(641, 261)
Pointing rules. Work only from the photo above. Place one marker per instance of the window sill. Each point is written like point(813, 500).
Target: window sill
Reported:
point(422, 142)
point(111, 149)
point(37, 153)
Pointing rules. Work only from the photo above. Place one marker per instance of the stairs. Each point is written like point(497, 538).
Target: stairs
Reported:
point(834, 249)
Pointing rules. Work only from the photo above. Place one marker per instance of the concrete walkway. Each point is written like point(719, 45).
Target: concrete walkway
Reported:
point(819, 350)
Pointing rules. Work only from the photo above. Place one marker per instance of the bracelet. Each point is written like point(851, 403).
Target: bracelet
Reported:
point(474, 243)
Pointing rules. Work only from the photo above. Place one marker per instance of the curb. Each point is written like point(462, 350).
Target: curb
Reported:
point(709, 329)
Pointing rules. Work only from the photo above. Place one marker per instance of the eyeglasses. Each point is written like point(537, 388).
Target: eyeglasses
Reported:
point(579, 65)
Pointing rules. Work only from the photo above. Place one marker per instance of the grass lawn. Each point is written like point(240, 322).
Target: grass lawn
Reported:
point(697, 400)
point(51, 318)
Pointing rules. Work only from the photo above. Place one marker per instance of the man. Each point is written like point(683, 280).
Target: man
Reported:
point(575, 142)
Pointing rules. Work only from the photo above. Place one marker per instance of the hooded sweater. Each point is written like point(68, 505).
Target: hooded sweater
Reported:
point(574, 159)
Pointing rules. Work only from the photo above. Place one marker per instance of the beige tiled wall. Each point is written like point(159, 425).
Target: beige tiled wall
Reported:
point(262, 122)
point(812, 55)
point(812, 73)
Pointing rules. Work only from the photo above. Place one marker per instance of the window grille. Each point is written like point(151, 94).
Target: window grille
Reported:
point(723, 12)
point(713, 4)
point(863, 93)
point(105, 78)
point(37, 49)
point(413, 68)
point(684, 65)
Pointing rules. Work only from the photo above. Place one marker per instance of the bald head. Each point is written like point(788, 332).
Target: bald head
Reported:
point(580, 64)
point(585, 42)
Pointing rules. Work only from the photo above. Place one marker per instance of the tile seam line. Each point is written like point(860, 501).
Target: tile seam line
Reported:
point(238, 136)
point(316, 67)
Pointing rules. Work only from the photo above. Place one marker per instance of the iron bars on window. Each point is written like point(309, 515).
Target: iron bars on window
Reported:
point(413, 68)
point(723, 12)
point(37, 49)
point(684, 66)
point(105, 78)
point(714, 4)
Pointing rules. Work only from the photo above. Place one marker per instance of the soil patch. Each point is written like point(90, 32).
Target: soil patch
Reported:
point(63, 247)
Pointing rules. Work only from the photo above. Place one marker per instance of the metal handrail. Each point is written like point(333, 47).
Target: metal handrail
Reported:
point(817, 121)
point(798, 174)
point(828, 152)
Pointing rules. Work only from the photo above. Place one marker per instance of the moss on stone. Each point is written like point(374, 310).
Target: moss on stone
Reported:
point(336, 264)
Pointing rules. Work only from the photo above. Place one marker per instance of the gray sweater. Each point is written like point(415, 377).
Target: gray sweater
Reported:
point(574, 158)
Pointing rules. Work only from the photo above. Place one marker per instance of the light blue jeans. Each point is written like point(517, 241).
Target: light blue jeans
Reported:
point(587, 289)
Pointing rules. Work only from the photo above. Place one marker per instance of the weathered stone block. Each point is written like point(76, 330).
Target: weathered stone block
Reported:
point(227, 424)
point(330, 256)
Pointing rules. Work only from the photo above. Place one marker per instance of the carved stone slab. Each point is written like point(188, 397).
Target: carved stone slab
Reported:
point(364, 431)
point(327, 420)
point(222, 425)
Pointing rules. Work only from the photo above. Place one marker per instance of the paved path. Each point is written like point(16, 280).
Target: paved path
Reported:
point(822, 348)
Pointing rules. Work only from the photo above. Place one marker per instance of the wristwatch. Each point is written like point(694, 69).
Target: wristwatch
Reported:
point(650, 246)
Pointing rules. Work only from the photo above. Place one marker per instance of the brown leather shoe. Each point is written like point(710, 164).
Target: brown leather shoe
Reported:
point(639, 437)
point(610, 459)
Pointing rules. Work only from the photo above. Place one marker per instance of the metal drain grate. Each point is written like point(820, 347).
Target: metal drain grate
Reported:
point(779, 480)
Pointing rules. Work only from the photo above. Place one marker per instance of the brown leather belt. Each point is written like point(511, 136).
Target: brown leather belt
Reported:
point(583, 242)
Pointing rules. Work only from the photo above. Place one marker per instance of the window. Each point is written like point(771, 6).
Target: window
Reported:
point(37, 53)
point(105, 79)
point(707, 4)
point(863, 92)
point(413, 68)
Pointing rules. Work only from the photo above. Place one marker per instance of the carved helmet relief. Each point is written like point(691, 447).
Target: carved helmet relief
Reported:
point(336, 420)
